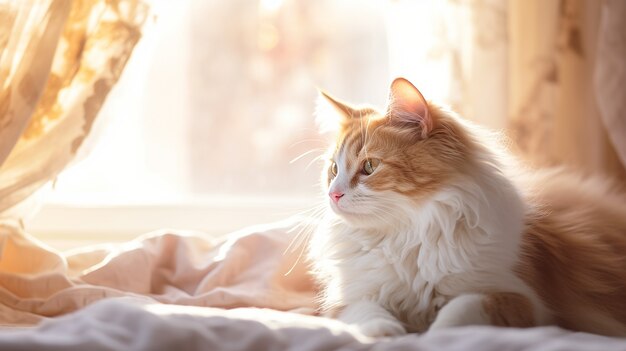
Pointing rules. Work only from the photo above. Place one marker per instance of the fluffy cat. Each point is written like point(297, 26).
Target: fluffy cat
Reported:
point(433, 224)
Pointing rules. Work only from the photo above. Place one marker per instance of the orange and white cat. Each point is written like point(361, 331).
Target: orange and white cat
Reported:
point(433, 224)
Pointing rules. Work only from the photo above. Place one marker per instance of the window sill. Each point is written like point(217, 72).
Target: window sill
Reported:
point(69, 224)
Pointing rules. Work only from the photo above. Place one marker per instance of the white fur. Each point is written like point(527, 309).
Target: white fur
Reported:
point(462, 310)
point(372, 319)
point(383, 250)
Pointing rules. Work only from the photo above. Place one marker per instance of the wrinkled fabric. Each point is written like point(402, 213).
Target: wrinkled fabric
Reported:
point(182, 290)
point(248, 268)
point(131, 324)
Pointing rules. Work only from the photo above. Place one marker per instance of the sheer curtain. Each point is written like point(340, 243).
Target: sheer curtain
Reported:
point(58, 61)
point(567, 83)
point(551, 73)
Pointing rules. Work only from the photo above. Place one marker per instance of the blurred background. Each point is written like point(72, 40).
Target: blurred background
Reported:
point(218, 96)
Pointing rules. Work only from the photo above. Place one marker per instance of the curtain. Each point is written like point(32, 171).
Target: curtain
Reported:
point(550, 73)
point(58, 61)
point(565, 86)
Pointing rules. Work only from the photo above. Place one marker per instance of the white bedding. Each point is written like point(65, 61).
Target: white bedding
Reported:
point(173, 290)
point(131, 324)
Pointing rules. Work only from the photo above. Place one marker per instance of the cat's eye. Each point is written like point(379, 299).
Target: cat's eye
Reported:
point(369, 165)
point(333, 169)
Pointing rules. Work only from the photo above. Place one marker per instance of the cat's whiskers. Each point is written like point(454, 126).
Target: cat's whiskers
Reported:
point(375, 207)
point(392, 219)
point(318, 158)
point(320, 140)
point(306, 227)
point(322, 150)
point(307, 213)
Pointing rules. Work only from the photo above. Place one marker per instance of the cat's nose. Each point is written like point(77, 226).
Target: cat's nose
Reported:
point(335, 195)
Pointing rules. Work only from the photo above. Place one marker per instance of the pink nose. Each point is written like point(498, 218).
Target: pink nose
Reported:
point(335, 195)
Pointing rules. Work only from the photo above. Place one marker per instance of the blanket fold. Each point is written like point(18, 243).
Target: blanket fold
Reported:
point(245, 269)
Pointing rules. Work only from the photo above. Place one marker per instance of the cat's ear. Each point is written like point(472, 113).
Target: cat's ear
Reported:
point(341, 107)
point(332, 113)
point(407, 106)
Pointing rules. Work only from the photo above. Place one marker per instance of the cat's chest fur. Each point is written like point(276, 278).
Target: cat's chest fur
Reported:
point(413, 272)
point(355, 264)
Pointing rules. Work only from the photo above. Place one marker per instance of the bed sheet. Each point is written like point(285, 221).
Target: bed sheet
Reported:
point(177, 290)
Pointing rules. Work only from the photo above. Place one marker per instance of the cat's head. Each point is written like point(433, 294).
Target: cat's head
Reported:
point(385, 164)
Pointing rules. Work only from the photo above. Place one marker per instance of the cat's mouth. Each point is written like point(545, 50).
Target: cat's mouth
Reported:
point(337, 208)
point(341, 210)
point(355, 219)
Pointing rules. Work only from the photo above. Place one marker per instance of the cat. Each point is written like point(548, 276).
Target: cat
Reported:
point(432, 223)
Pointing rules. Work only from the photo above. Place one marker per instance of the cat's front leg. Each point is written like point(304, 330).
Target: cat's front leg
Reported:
point(499, 309)
point(371, 319)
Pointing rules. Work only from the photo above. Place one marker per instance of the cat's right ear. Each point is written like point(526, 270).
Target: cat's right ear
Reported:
point(408, 106)
point(331, 113)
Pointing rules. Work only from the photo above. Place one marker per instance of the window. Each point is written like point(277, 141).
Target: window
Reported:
point(215, 102)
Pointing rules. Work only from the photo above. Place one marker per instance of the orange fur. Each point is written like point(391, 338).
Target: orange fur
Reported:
point(574, 251)
point(508, 310)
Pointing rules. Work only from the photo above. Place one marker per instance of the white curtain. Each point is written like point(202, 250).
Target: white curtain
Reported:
point(58, 61)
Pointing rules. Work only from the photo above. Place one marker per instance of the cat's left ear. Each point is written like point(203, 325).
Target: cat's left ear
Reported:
point(407, 106)
point(331, 113)
point(341, 107)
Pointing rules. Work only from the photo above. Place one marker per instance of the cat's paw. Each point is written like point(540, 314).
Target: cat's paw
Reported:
point(380, 327)
point(461, 311)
